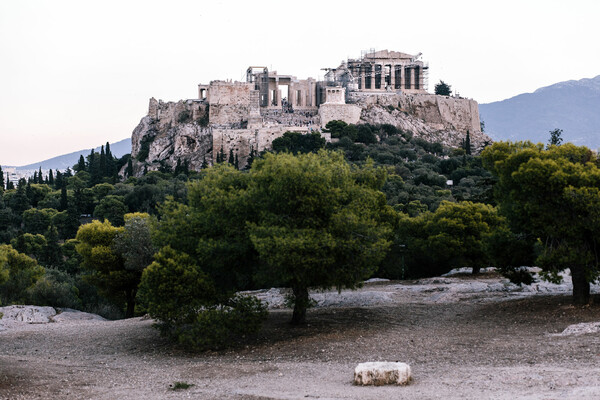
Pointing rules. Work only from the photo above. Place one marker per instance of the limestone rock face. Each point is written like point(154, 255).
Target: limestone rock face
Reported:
point(434, 118)
point(171, 132)
point(382, 373)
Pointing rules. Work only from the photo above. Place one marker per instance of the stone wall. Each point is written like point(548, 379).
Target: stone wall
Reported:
point(349, 113)
point(231, 102)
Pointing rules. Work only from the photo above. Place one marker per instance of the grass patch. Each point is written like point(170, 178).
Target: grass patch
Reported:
point(180, 386)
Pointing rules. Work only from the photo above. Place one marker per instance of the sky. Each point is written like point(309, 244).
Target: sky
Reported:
point(75, 74)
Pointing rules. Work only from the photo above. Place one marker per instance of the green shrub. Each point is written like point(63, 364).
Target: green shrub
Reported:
point(218, 327)
point(183, 299)
point(56, 289)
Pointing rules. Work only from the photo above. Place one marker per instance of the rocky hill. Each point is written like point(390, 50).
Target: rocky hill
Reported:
point(571, 106)
point(193, 131)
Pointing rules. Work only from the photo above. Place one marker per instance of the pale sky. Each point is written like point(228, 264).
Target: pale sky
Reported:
point(75, 74)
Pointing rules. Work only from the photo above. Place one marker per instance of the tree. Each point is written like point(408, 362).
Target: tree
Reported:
point(555, 137)
point(297, 143)
point(552, 194)
point(443, 89)
point(468, 147)
point(1, 180)
point(23, 273)
point(112, 208)
point(134, 243)
point(336, 128)
point(321, 224)
point(106, 267)
point(129, 170)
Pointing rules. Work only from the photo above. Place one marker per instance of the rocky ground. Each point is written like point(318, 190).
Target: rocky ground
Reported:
point(464, 338)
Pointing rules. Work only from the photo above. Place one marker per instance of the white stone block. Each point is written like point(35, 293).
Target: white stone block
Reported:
point(382, 373)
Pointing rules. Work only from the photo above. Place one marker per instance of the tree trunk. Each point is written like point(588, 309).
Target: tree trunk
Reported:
point(476, 270)
point(130, 299)
point(581, 286)
point(300, 304)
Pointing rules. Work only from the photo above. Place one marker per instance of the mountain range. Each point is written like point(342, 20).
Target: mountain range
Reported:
point(573, 106)
point(118, 149)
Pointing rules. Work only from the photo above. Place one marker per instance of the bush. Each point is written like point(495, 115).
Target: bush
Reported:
point(218, 327)
point(182, 297)
point(55, 289)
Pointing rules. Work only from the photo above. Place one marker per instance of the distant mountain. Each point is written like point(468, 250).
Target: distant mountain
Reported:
point(118, 149)
point(573, 106)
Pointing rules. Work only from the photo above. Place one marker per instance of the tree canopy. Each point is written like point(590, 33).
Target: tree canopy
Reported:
point(552, 194)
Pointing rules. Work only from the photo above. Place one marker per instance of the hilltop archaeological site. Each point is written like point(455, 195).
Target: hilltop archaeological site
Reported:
point(379, 87)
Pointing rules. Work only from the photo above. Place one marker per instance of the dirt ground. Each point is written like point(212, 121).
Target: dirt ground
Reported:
point(464, 338)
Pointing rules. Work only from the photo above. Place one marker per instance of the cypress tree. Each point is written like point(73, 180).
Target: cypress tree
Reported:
point(468, 144)
point(129, 169)
point(102, 164)
point(231, 158)
point(59, 180)
point(186, 167)
point(81, 164)
point(64, 200)
point(204, 163)
point(9, 184)
point(236, 162)
point(1, 179)
point(221, 156)
point(178, 167)
point(34, 180)
point(40, 176)
point(251, 157)
point(50, 178)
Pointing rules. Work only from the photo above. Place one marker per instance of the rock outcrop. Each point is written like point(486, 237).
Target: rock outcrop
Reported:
point(172, 133)
point(434, 118)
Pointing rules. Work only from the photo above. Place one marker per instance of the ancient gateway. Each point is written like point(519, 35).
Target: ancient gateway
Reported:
point(379, 87)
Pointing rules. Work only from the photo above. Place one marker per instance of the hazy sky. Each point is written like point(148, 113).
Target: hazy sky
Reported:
point(75, 74)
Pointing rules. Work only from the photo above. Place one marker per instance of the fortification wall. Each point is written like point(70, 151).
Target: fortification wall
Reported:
point(349, 113)
point(231, 102)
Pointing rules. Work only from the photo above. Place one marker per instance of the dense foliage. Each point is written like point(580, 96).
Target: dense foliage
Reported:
point(181, 245)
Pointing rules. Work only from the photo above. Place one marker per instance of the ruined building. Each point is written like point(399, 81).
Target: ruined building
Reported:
point(379, 87)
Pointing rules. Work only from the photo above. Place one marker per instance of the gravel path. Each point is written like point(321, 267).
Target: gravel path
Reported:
point(464, 338)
